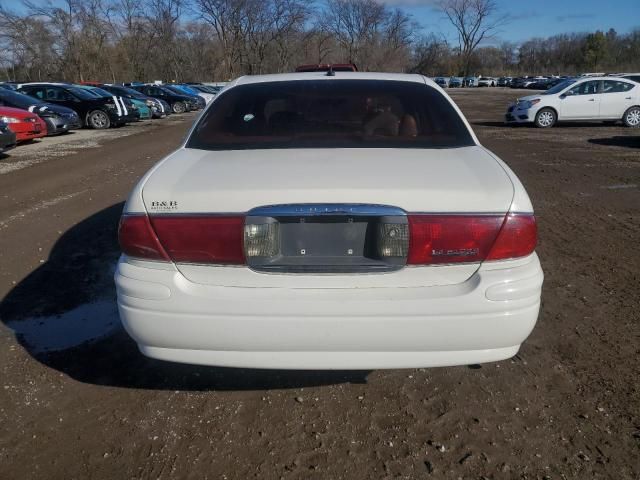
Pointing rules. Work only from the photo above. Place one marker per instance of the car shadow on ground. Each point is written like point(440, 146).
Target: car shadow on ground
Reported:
point(494, 124)
point(560, 125)
point(631, 141)
point(74, 289)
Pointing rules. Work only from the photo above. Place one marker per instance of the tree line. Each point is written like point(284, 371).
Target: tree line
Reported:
point(191, 40)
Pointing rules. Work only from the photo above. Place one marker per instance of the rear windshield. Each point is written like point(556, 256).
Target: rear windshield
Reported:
point(20, 100)
point(80, 93)
point(330, 114)
point(124, 91)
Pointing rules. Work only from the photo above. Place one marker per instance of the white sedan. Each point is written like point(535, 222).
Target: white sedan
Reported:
point(487, 82)
point(608, 99)
point(337, 220)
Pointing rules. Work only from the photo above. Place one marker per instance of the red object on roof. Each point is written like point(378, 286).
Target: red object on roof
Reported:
point(24, 124)
point(324, 67)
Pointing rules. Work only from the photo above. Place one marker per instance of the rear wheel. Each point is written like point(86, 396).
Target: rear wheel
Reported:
point(632, 117)
point(98, 120)
point(179, 107)
point(545, 118)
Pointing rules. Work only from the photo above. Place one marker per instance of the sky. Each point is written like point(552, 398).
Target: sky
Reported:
point(538, 18)
point(529, 18)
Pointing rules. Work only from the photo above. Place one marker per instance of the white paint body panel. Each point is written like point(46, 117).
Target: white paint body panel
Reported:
point(413, 317)
point(342, 328)
point(440, 180)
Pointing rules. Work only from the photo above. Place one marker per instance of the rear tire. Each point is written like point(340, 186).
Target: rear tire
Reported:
point(545, 118)
point(632, 117)
point(98, 120)
point(179, 107)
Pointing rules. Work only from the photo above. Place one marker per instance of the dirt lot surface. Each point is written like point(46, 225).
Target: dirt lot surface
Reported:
point(568, 406)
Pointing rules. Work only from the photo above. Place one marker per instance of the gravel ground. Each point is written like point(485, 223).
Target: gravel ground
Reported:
point(78, 401)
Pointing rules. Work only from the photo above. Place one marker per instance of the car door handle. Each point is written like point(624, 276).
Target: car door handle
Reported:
point(627, 98)
point(592, 99)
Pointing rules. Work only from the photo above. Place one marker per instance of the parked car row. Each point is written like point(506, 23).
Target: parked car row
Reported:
point(529, 82)
point(33, 110)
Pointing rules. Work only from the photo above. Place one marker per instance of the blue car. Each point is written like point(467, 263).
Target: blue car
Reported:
point(184, 90)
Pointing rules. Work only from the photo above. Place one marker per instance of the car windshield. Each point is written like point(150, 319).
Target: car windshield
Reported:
point(172, 90)
point(127, 92)
point(135, 93)
point(82, 94)
point(330, 114)
point(100, 92)
point(559, 87)
point(175, 90)
point(20, 100)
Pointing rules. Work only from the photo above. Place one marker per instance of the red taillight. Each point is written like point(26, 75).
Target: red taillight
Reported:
point(201, 239)
point(451, 238)
point(518, 238)
point(437, 239)
point(137, 238)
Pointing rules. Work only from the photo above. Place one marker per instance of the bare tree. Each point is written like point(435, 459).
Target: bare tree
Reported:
point(432, 56)
point(227, 17)
point(474, 21)
point(368, 33)
point(354, 24)
point(191, 40)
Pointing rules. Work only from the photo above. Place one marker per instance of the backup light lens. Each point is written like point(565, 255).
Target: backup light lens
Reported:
point(393, 240)
point(262, 240)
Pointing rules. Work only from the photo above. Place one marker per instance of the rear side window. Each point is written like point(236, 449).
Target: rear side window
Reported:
point(35, 92)
point(330, 114)
point(616, 86)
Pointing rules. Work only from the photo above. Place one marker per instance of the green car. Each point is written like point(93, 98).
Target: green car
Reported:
point(143, 109)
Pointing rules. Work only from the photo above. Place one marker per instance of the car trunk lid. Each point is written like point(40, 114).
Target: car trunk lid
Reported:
point(243, 182)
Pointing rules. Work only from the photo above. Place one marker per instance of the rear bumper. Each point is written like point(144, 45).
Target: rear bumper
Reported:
point(483, 319)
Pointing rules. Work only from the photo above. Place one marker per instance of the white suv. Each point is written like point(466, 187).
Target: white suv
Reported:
point(600, 98)
point(329, 220)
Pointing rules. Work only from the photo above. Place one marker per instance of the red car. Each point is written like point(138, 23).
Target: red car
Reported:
point(24, 124)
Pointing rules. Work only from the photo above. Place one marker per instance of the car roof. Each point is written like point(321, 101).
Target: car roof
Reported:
point(57, 84)
point(580, 79)
point(302, 76)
